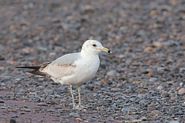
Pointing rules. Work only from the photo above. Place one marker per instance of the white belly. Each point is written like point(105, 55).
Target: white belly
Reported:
point(85, 71)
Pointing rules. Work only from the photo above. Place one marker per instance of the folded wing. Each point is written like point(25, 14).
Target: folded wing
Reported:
point(63, 66)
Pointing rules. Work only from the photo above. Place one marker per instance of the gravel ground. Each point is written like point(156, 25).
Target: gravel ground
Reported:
point(142, 81)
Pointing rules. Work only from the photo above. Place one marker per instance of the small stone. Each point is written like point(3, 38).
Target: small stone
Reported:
point(78, 120)
point(1, 101)
point(88, 9)
point(51, 110)
point(174, 121)
point(158, 44)
point(42, 104)
point(112, 73)
point(181, 91)
point(182, 70)
point(155, 114)
point(143, 118)
point(153, 13)
point(12, 121)
point(74, 114)
point(2, 58)
point(153, 79)
point(181, 84)
point(115, 89)
point(171, 43)
point(28, 6)
point(160, 69)
point(26, 109)
point(27, 50)
point(17, 79)
point(3, 107)
point(1, 47)
point(173, 2)
point(160, 87)
point(149, 50)
point(120, 56)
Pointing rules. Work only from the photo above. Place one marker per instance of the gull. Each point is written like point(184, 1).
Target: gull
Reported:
point(73, 69)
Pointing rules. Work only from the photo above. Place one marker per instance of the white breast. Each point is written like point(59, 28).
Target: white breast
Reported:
point(86, 69)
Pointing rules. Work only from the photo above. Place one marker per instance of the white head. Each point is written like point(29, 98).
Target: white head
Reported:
point(93, 47)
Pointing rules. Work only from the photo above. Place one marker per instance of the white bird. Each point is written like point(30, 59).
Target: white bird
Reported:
point(73, 69)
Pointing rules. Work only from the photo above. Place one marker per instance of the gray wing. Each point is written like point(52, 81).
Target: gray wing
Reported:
point(63, 66)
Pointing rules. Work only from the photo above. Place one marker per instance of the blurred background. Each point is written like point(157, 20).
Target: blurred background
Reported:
point(143, 80)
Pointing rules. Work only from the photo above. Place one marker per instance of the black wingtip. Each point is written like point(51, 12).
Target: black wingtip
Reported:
point(29, 67)
point(34, 70)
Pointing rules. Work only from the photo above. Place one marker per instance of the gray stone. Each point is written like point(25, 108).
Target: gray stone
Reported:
point(112, 73)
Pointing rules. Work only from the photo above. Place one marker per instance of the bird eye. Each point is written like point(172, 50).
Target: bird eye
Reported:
point(94, 45)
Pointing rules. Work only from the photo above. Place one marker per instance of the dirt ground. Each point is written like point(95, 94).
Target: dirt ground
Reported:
point(142, 81)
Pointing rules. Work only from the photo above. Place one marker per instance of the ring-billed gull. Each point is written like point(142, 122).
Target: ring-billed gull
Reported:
point(73, 69)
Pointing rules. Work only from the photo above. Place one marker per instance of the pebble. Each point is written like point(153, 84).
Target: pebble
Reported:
point(120, 56)
point(112, 73)
point(181, 84)
point(3, 107)
point(160, 69)
point(171, 43)
point(174, 121)
point(12, 120)
point(2, 58)
point(149, 50)
point(42, 104)
point(158, 44)
point(74, 114)
point(153, 79)
point(115, 89)
point(154, 114)
point(87, 9)
point(182, 70)
point(181, 91)
point(28, 6)
point(160, 87)
point(1, 47)
point(25, 109)
point(1, 101)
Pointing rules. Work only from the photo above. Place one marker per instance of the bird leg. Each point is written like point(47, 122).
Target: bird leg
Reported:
point(73, 100)
point(79, 106)
point(79, 97)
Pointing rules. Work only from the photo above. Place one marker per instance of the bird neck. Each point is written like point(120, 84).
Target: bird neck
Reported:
point(88, 54)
